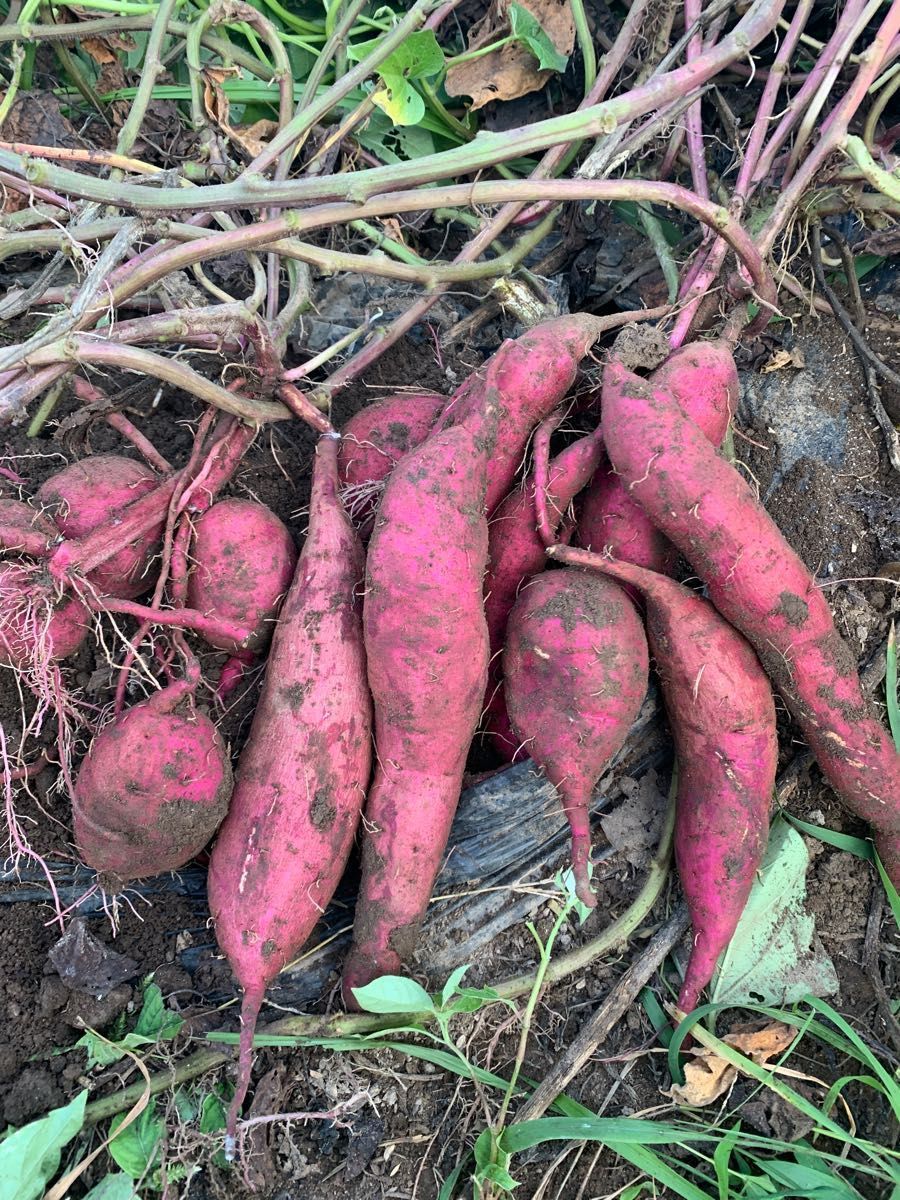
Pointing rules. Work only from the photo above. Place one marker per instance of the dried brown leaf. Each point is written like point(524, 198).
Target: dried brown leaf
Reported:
point(99, 49)
point(511, 71)
point(707, 1076)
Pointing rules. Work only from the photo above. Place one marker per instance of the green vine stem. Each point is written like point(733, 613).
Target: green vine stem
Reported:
point(89, 351)
point(883, 181)
point(102, 26)
point(486, 150)
point(17, 55)
point(834, 130)
point(150, 72)
point(553, 162)
point(312, 113)
point(585, 44)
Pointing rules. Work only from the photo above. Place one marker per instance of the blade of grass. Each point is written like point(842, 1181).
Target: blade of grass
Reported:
point(890, 686)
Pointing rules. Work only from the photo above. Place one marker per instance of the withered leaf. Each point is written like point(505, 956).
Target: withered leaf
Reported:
point(512, 70)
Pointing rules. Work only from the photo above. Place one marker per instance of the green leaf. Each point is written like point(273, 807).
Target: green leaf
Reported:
point(890, 891)
point(892, 694)
point(101, 1052)
point(155, 1022)
point(393, 994)
point(113, 1187)
point(448, 1187)
point(29, 1158)
point(185, 1106)
point(527, 29)
point(656, 1015)
point(399, 100)
point(452, 984)
point(499, 1176)
point(419, 57)
point(618, 1131)
point(774, 955)
point(212, 1114)
point(721, 1159)
point(805, 1181)
point(136, 1149)
point(565, 881)
point(842, 841)
point(483, 1148)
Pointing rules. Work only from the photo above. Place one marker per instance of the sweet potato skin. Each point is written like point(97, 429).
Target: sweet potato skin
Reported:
point(377, 437)
point(303, 772)
point(516, 551)
point(152, 789)
point(85, 496)
point(702, 380)
point(427, 651)
point(722, 716)
point(576, 666)
point(759, 584)
point(374, 440)
point(38, 623)
point(525, 380)
point(243, 559)
point(25, 531)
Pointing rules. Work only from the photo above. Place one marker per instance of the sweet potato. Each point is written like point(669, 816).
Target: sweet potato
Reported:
point(722, 716)
point(702, 380)
point(575, 666)
point(242, 562)
point(376, 438)
point(303, 772)
point(38, 623)
point(759, 584)
point(516, 551)
point(525, 380)
point(152, 789)
point(427, 652)
point(25, 531)
point(90, 494)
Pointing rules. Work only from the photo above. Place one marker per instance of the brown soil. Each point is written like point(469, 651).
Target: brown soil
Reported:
point(807, 438)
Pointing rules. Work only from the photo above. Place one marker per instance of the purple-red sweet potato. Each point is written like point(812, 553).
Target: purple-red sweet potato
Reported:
point(25, 531)
point(524, 380)
point(722, 716)
point(702, 380)
point(303, 772)
point(377, 437)
point(38, 623)
point(152, 789)
point(242, 562)
point(575, 667)
point(427, 653)
point(759, 584)
point(90, 494)
point(516, 551)
point(374, 440)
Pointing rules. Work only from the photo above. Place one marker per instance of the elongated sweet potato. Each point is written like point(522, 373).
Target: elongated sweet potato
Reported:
point(303, 773)
point(243, 559)
point(374, 440)
point(516, 551)
point(757, 581)
point(427, 652)
point(575, 666)
point(152, 789)
point(722, 716)
point(89, 494)
point(525, 380)
point(702, 380)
